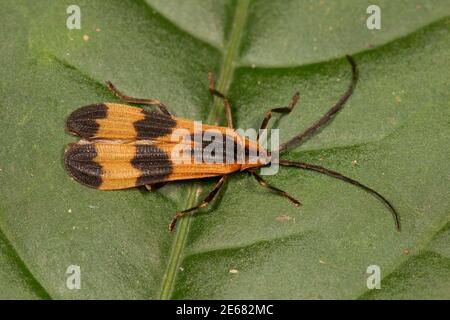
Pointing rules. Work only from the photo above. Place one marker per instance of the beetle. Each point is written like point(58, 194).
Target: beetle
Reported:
point(124, 146)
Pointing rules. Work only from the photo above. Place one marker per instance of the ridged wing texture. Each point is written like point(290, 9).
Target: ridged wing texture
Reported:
point(117, 121)
point(108, 166)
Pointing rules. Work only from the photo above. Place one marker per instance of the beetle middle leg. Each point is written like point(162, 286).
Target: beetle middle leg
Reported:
point(226, 103)
point(201, 205)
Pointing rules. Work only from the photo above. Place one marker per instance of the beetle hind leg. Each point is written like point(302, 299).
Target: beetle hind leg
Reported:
point(151, 102)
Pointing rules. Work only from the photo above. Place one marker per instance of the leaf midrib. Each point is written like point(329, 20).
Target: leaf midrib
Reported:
point(223, 84)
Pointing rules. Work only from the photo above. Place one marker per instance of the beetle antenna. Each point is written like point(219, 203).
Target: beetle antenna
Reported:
point(295, 141)
point(337, 175)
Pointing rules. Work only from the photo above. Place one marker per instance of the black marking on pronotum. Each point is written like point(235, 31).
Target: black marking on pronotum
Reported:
point(154, 164)
point(154, 125)
point(82, 122)
point(79, 161)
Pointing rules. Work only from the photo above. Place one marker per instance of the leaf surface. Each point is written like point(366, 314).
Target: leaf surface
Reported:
point(392, 135)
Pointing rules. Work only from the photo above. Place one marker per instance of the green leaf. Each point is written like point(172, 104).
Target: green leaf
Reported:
point(392, 135)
